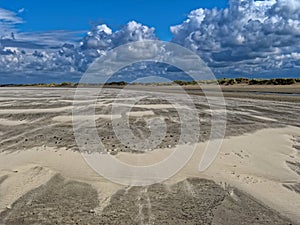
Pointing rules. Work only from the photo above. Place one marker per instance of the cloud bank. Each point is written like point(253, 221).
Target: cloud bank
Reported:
point(247, 38)
point(28, 56)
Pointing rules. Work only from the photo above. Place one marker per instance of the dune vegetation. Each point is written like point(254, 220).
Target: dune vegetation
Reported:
point(223, 81)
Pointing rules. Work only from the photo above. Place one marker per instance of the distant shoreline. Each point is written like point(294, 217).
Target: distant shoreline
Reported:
point(289, 93)
point(223, 82)
point(273, 89)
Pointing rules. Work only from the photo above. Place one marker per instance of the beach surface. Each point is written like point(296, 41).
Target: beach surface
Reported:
point(44, 179)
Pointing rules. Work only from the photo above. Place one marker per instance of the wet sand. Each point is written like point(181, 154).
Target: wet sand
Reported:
point(290, 93)
point(45, 180)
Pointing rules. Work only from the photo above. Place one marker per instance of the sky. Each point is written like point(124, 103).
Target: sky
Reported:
point(78, 15)
point(52, 41)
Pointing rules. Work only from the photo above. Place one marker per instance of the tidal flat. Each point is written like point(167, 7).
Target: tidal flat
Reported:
point(45, 180)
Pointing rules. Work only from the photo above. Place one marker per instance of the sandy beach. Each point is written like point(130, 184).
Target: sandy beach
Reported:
point(255, 178)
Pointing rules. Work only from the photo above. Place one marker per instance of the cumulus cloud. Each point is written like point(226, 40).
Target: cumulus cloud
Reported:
point(287, 9)
point(27, 54)
point(248, 36)
point(101, 37)
point(133, 31)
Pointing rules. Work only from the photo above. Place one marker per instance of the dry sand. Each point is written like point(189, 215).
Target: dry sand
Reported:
point(254, 163)
point(259, 158)
point(6, 122)
point(26, 170)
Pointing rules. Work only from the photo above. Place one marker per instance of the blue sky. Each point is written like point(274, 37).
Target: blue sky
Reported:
point(45, 15)
point(57, 40)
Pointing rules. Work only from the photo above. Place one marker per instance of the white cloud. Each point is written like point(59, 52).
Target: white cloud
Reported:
point(101, 37)
point(7, 16)
point(133, 31)
point(246, 37)
point(21, 10)
point(8, 20)
point(27, 54)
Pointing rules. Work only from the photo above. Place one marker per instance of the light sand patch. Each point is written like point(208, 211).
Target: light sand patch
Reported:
point(140, 113)
point(22, 98)
point(243, 113)
point(65, 119)
point(210, 111)
point(20, 181)
point(264, 118)
point(93, 100)
point(254, 163)
point(7, 122)
point(149, 158)
point(254, 116)
point(150, 106)
point(33, 110)
point(7, 104)
point(36, 166)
